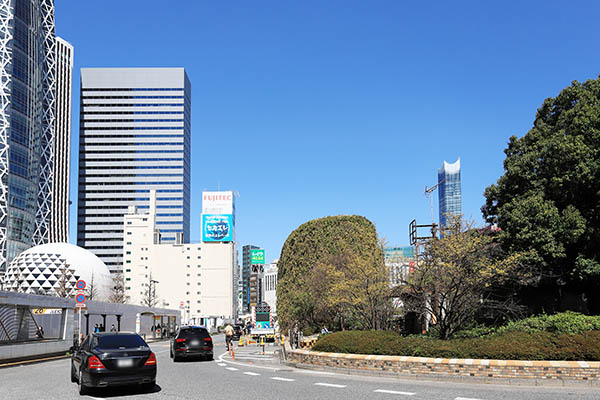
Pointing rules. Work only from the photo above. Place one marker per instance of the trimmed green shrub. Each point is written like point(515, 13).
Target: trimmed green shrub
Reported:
point(568, 323)
point(509, 346)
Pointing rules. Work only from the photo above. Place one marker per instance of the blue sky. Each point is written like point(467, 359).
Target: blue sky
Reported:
point(314, 108)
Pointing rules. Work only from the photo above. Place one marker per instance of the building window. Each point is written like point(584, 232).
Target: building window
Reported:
point(128, 222)
point(128, 270)
point(127, 252)
point(128, 261)
point(127, 279)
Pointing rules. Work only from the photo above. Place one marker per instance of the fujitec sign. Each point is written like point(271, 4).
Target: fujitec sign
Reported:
point(217, 203)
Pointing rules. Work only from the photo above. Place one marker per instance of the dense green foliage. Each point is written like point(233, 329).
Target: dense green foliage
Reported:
point(510, 346)
point(547, 203)
point(331, 272)
point(569, 322)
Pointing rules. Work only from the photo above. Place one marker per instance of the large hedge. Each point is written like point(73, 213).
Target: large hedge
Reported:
point(325, 266)
point(509, 346)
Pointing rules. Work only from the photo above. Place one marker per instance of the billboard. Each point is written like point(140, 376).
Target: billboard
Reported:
point(217, 228)
point(218, 203)
point(257, 257)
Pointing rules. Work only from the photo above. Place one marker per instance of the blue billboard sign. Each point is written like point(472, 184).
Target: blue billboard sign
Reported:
point(217, 227)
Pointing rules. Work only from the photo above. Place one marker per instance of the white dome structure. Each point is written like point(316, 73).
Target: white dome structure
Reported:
point(53, 268)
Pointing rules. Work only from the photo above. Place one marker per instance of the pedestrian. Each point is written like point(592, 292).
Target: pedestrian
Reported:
point(113, 329)
point(101, 328)
point(324, 331)
point(228, 336)
point(96, 328)
point(40, 332)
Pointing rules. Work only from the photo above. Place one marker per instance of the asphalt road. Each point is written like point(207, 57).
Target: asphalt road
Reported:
point(254, 376)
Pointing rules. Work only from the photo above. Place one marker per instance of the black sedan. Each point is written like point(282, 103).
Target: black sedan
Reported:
point(192, 341)
point(113, 359)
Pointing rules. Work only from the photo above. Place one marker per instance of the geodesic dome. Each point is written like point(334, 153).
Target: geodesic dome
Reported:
point(53, 269)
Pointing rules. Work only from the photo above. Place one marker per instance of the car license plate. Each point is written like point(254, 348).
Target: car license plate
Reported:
point(125, 363)
point(194, 343)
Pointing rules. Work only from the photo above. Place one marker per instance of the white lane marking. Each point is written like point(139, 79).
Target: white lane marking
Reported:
point(232, 369)
point(394, 392)
point(246, 365)
point(329, 385)
point(465, 398)
point(158, 352)
point(222, 364)
point(251, 373)
point(276, 378)
point(307, 371)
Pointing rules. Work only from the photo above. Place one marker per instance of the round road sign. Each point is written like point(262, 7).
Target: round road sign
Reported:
point(80, 298)
point(80, 284)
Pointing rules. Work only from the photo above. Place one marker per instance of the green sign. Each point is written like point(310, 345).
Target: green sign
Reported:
point(257, 257)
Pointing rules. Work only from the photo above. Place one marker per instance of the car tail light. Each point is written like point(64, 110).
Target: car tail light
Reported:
point(180, 340)
point(207, 339)
point(151, 360)
point(95, 363)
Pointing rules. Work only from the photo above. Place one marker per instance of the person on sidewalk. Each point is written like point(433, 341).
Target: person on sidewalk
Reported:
point(228, 335)
point(113, 329)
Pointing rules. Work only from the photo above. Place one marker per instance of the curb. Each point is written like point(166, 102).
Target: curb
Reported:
point(511, 372)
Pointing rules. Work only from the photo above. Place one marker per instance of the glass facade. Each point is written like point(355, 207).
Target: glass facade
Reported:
point(449, 191)
point(119, 166)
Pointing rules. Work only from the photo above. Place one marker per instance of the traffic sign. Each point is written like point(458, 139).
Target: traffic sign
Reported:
point(80, 284)
point(80, 298)
point(80, 305)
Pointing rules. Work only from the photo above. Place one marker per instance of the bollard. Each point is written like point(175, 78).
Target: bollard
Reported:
point(241, 342)
point(262, 343)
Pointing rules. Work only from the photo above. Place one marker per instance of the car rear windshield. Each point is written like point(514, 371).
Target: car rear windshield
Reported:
point(120, 342)
point(189, 332)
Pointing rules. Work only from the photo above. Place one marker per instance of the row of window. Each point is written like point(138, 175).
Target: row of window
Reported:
point(118, 151)
point(96, 135)
point(84, 168)
point(134, 105)
point(127, 112)
point(131, 97)
point(178, 143)
point(127, 175)
point(129, 128)
point(133, 120)
point(105, 199)
point(131, 183)
point(134, 159)
point(124, 89)
point(132, 191)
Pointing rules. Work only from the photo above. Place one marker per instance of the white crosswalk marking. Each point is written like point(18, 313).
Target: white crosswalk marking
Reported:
point(251, 373)
point(465, 398)
point(222, 364)
point(276, 378)
point(330, 385)
point(232, 369)
point(394, 392)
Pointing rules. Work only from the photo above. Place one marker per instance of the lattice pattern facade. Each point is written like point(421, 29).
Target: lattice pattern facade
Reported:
point(27, 124)
point(41, 273)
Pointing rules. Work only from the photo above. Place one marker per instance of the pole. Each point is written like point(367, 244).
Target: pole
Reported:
point(79, 328)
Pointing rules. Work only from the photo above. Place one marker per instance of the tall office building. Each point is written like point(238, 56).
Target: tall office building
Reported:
point(449, 191)
point(246, 271)
point(59, 227)
point(27, 124)
point(134, 136)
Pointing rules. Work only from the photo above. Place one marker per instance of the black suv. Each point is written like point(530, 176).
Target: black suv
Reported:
point(191, 341)
point(113, 359)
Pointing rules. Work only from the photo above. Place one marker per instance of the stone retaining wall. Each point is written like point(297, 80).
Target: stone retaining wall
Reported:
point(533, 372)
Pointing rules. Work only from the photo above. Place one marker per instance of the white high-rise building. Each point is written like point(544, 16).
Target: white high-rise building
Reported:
point(135, 136)
point(59, 227)
point(269, 282)
point(197, 278)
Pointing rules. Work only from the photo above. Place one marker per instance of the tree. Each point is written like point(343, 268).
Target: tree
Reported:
point(117, 294)
point(457, 275)
point(331, 272)
point(92, 289)
point(547, 203)
point(64, 288)
point(150, 299)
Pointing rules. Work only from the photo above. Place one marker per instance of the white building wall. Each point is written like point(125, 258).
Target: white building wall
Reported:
point(269, 288)
point(196, 278)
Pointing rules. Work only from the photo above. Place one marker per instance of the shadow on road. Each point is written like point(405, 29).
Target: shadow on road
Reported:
point(124, 391)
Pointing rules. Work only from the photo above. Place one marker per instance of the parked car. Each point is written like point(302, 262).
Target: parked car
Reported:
point(113, 359)
point(192, 341)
